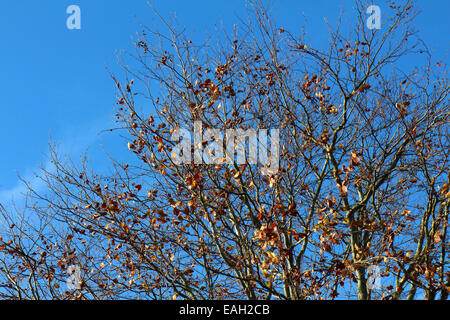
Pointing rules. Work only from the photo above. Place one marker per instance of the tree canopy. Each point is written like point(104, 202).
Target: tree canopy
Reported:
point(359, 182)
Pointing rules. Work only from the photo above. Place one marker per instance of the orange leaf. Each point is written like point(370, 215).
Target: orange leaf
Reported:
point(437, 237)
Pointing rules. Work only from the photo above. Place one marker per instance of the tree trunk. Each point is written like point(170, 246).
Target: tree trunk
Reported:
point(362, 284)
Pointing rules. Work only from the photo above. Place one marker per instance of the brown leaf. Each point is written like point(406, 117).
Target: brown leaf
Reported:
point(343, 188)
point(437, 236)
point(355, 159)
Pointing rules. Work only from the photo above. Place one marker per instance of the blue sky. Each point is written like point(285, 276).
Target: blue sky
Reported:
point(54, 83)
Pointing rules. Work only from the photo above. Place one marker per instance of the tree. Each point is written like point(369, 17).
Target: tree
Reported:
point(361, 182)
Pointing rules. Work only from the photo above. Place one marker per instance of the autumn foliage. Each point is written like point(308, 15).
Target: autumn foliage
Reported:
point(363, 181)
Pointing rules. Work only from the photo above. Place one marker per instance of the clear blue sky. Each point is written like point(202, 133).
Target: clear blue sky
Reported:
point(53, 81)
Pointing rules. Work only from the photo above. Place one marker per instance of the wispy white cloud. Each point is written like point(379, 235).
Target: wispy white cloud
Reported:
point(19, 190)
point(74, 140)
